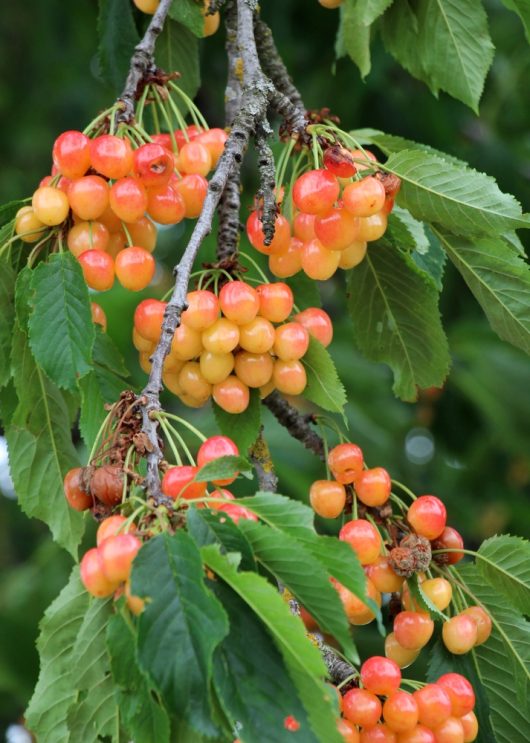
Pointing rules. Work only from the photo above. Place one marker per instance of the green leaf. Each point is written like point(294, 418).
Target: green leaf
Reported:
point(461, 199)
point(181, 614)
point(8, 211)
point(243, 429)
point(117, 38)
point(213, 527)
point(177, 50)
point(61, 331)
point(23, 296)
point(324, 386)
point(7, 302)
point(40, 448)
point(504, 562)
point(499, 280)
point(54, 693)
point(353, 37)
point(144, 718)
point(281, 512)
point(305, 290)
point(390, 143)
point(223, 468)
point(399, 31)
point(396, 320)
point(305, 664)
point(423, 600)
point(304, 576)
point(503, 662)
point(189, 14)
point(254, 688)
point(406, 232)
point(433, 261)
point(522, 8)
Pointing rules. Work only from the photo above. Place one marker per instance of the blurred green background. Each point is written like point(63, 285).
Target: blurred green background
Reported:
point(470, 444)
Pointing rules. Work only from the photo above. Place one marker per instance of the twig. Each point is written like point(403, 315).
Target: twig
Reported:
point(267, 173)
point(298, 425)
point(273, 66)
point(338, 669)
point(142, 62)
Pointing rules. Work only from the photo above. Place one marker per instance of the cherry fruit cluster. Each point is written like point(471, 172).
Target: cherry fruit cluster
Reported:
point(228, 344)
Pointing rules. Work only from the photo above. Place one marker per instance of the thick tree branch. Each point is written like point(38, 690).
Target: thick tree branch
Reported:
point(142, 62)
point(267, 177)
point(273, 66)
point(297, 424)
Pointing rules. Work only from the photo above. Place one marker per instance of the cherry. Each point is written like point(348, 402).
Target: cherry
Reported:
point(193, 190)
point(352, 255)
point(318, 324)
point(349, 732)
point(434, 705)
point(87, 236)
point(98, 315)
point(427, 516)
point(450, 731)
point(266, 389)
point(304, 226)
point(470, 726)
point(338, 160)
point(346, 461)
point(330, 4)
point(231, 395)
point(117, 242)
point(193, 383)
point(106, 484)
point(237, 512)
point(289, 377)
point(257, 336)
point(373, 486)
point(282, 234)
point(365, 155)
point(163, 139)
point(363, 538)
point(135, 604)
point(216, 367)
point(148, 318)
point(27, 226)
point(128, 199)
point(152, 165)
point(315, 191)
point(356, 610)
point(98, 269)
point(413, 629)
point(215, 447)
point(184, 136)
point(111, 221)
point(74, 489)
point(318, 262)
point(383, 576)
point(275, 301)
point(213, 139)
point(365, 197)
point(361, 707)
point(402, 656)
point(93, 576)
point(239, 302)
point(202, 311)
point(220, 493)
point(50, 205)
point(142, 344)
point(372, 228)
point(71, 154)
point(336, 229)
point(135, 268)
point(194, 158)
point(112, 526)
point(291, 341)
point(380, 675)
point(63, 184)
point(254, 369)
point(419, 734)
point(439, 591)
point(144, 360)
point(379, 733)
point(450, 539)
point(327, 498)
point(460, 693)
point(143, 233)
point(89, 197)
point(211, 24)
point(147, 6)
point(165, 205)
point(483, 622)
point(117, 554)
point(111, 156)
point(289, 262)
point(460, 634)
point(221, 337)
point(178, 483)
point(400, 712)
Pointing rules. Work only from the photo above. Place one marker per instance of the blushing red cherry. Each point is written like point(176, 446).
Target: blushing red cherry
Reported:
point(214, 140)
point(289, 377)
point(373, 486)
point(112, 526)
point(98, 269)
point(89, 197)
point(256, 236)
point(178, 483)
point(194, 158)
point(304, 226)
point(460, 634)
point(483, 622)
point(202, 311)
point(148, 318)
point(434, 705)
point(74, 489)
point(315, 191)
point(128, 199)
point(450, 539)
point(237, 512)
point(165, 205)
point(365, 197)
point(50, 205)
point(383, 576)
point(336, 229)
point(339, 161)
point(71, 154)
point(152, 165)
point(327, 498)
point(275, 301)
point(111, 156)
point(460, 693)
point(291, 341)
point(214, 448)
point(393, 650)
point(363, 538)
point(427, 516)
point(93, 575)
point(400, 711)
point(357, 612)
point(346, 461)
point(380, 675)
point(450, 731)
point(379, 733)
point(318, 324)
point(192, 189)
point(87, 236)
point(413, 629)
point(98, 315)
point(418, 734)
point(239, 302)
point(349, 732)
point(135, 268)
point(361, 707)
point(231, 395)
point(117, 554)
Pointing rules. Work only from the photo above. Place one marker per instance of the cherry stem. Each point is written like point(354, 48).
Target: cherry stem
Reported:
point(183, 422)
point(176, 454)
point(405, 489)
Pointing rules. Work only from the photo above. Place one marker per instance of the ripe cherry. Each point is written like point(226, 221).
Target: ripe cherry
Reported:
point(74, 489)
point(372, 228)
point(93, 575)
point(147, 6)
point(257, 336)
point(470, 725)
point(380, 675)
point(194, 158)
point(143, 233)
point(214, 448)
point(427, 516)
point(318, 324)
point(239, 302)
point(434, 705)
point(439, 591)
point(289, 377)
point(327, 498)
point(106, 484)
point(193, 190)
point(459, 634)
point(128, 199)
point(216, 367)
point(450, 731)
point(275, 301)
point(383, 576)
point(352, 255)
point(280, 240)
point(483, 622)
point(98, 315)
point(50, 205)
point(413, 629)
point(192, 383)
point(402, 656)
point(336, 229)
point(178, 483)
point(339, 161)
point(418, 734)
point(112, 526)
point(135, 604)
point(291, 341)
point(89, 197)
point(98, 269)
point(237, 512)
point(117, 554)
point(27, 226)
point(361, 707)
point(316, 191)
point(202, 311)
point(365, 197)
point(87, 236)
point(356, 610)
point(400, 712)
point(135, 268)
point(349, 732)
point(231, 395)
point(210, 26)
point(363, 538)
point(373, 486)
point(152, 165)
point(148, 318)
point(165, 205)
point(379, 733)
point(254, 369)
point(460, 693)
point(213, 139)
point(221, 337)
point(449, 539)
point(318, 262)
point(111, 156)
point(71, 154)
point(346, 461)
point(186, 135)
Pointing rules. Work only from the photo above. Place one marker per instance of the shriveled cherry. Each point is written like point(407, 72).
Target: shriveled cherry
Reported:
point(75, 491)
point(106, 484)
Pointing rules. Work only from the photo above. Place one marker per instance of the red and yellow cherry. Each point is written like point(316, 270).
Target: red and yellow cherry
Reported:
point(89, 197)
point(117, 554)
point(152, 165)
point(400, 711)
point(117, 242)
point(50, 205)
point(316, 191)
point(87, 236)
point(372, 228)
point(194, 158)
point(365, 155)
point(336, 229)
point(188, 134)
point(27, 226)
point(193, 190)
point(275, 301)
point(402, 656)
point(470, 725)
point(220, 493)
point(439, 591)
point(178, 483)
point(318, 262)
point(483, 622)
point(135, 268)
point(239, 302)
point(339, 161)
point(111, 156)
point(460, 634)
point(98, 269)
point(106, 484)
point(434, 705)
point(93, 575)
point(460, 693)
point(236, 512)
point(63, 184)
point(327, 498)
point(379, 733)
point(383, 576)
point(221, 337)
point(418, 734)
point(144, 359)
point(450, 539)
point(346, 462)
point(202, 310)
point(143, 233)
point(289, 377)
point(450, 731)
point(214, 448)
point(427, 516)
point(291, 341)
point(74, 489)
point(192, 382)
point(257, 336)
point(361, 707)
point(98, 315)
point(352, 255)
point(213, 139)
point(373, 486)
point(147, 6)
point(231, 395)
point(304, 226)
point(357, 612)
point(216, 367)
point(254, 369)
point(165, 205)
point(318, 324)
point(381, 676)
point(142, 344)
point(112, 526)
point(211, 24)
point(349, 732)
point(148, 318)
point(71, 154)
point(363, 538)
point(413, 629)
point(365, 197)
point(256, 236)
point(128, 199)
point(135, 604)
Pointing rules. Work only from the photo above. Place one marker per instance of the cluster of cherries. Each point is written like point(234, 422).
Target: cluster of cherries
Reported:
point(228, 344)
point(107, 197)
point(386, 573)
point(211, 21)
point(337, 213)
point(378, 711)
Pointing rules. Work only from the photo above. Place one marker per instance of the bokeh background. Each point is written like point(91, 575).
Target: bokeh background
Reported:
point(468, 443)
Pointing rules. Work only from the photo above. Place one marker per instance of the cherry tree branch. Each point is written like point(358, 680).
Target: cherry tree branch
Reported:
point(297, 424)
